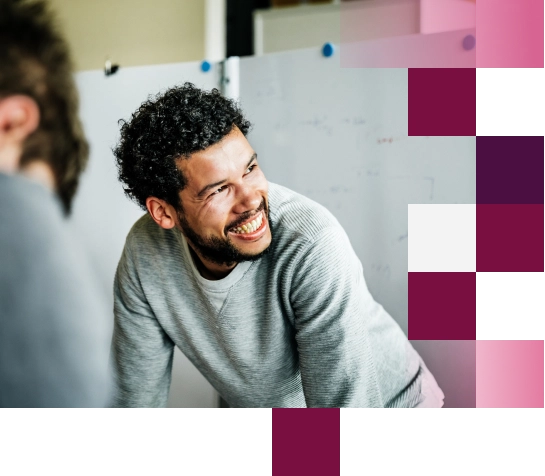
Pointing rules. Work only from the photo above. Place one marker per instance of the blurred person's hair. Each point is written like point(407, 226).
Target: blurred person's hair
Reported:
point(35, 61)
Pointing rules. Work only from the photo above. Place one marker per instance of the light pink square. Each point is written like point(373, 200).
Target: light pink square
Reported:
point(509, 374)
point(510, 34)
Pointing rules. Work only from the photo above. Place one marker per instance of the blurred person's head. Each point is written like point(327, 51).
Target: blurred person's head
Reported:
point(40, 132)
point(184, 157)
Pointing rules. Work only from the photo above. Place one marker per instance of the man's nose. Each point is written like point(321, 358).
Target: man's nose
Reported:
point(248, 199)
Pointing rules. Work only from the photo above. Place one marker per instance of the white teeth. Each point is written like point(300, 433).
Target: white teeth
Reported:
point(251, 226)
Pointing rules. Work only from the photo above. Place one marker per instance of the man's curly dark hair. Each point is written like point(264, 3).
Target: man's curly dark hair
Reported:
point(166, 128)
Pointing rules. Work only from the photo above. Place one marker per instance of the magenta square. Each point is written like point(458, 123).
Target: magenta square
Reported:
point(510, 374)
point(510, 238)
point(442, 306)
point(442, 102)
point(306, 441)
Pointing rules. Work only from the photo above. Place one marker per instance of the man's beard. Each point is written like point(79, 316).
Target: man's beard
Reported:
point(222, 251)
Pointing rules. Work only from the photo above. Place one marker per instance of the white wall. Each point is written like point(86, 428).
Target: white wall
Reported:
point(133, 32)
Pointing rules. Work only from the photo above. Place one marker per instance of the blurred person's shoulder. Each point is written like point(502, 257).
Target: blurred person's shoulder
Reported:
point(53, 313)
point(31, 218)
point(23, 201)
point(37, 243)
point(33, 224)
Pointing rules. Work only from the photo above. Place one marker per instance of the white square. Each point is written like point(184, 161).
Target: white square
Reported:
point(442, 237)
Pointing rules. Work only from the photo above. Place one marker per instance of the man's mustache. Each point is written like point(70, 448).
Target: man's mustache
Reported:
point(246, 215)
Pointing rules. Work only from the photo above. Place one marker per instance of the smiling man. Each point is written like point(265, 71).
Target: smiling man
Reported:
point(256, 284)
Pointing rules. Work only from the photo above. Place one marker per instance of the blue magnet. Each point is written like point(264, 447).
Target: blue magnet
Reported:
point(469, 42)
point(205, 66)
point(328, 49)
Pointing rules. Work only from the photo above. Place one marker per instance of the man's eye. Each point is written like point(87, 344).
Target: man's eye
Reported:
point(250, 168)
point(219, 190)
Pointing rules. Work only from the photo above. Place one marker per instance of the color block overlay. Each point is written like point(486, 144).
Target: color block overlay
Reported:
point(452, 363)
point(342, 441)
point(408, 34)
point(510, 170)
point(447, 49)
point(442, 102)
point(510, 102)
point(442, 306)
point(512, 70)
point(509, 34)
point(478, 330)
point(306, 441)
point(478, 104)
point(511, 337)
point(510, 238)
point(446, 15)
point(510, 374)
point(442, 237)
point(510, 306)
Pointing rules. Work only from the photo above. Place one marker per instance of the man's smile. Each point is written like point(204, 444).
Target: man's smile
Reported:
point(252, 229)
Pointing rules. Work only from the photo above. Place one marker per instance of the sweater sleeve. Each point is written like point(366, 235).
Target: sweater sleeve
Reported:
point(332, 307)
point(142, 350)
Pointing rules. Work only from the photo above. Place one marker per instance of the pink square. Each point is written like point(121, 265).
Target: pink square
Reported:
point(510, 374)
point(510, 34)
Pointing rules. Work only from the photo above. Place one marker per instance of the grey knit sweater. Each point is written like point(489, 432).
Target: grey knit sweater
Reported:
point(300, 328)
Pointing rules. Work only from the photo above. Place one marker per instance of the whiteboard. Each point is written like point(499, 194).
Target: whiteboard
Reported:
point(339, 137)
point(102, 215)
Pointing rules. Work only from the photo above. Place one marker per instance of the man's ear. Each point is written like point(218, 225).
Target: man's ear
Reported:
point(162, 213)
point(19, 117)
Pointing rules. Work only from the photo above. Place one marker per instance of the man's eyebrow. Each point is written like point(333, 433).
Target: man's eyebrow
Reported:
point(254, 157)
point(216, 184)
